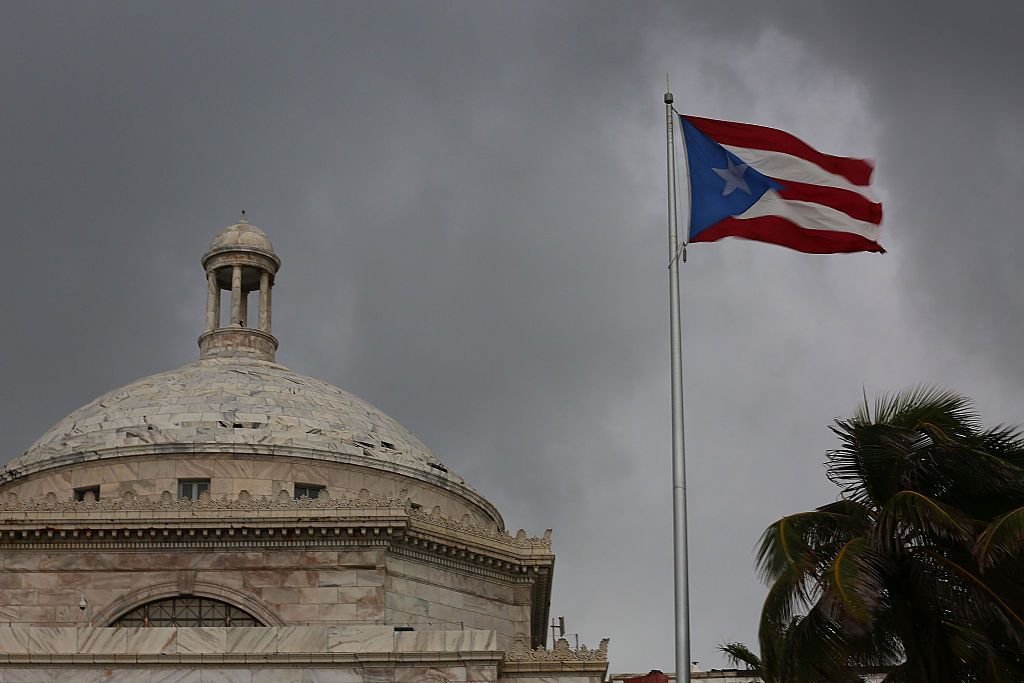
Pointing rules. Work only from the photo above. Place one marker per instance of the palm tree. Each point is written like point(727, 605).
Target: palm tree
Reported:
point(916, 566)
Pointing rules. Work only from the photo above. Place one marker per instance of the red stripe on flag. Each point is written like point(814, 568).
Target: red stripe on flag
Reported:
point(857, 171)
point(777, 230)
point(851, 203)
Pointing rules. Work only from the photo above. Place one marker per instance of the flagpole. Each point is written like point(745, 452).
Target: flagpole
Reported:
point(681, 583)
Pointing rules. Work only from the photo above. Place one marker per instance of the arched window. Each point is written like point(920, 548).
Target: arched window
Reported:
point(187, 610)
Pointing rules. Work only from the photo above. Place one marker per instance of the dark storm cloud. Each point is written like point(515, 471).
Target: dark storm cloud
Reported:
point(469, 204)
point(945, 81)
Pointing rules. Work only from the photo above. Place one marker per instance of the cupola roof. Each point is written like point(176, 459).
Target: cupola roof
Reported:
point(242, 235)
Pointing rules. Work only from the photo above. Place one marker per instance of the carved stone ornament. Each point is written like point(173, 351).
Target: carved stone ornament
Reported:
point(521, 540)
point(561, 652)
point(166, 502)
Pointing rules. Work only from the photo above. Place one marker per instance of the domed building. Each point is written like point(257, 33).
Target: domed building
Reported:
point(232, 520)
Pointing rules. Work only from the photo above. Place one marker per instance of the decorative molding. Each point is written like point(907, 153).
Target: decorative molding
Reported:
point(561, 652)
point(365, 500)
point(166, 502)
point(154, 542)
point(501, 571)
point(521, 539)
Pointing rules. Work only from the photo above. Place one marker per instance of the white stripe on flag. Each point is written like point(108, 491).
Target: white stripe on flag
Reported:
point(809, 216)
point(788, 167)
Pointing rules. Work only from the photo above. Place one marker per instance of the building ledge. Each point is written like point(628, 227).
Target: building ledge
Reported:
point(240, 645)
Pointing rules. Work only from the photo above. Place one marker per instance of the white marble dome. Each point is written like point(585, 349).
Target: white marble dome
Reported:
point(240, 404)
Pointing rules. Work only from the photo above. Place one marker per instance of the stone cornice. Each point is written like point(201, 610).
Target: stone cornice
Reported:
point(541, 604)
point(129, 503)
point(453, 560)
point(133, 523)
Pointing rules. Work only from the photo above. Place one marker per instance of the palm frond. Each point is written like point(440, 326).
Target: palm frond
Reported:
point(800, 542)
point(873, 462)
point(965, 474)
point(739, 654)
point(1001, 538)
point(856, 515)
point(945, 410)
point(880, 447)
point(790, 592)
point(816, 649)
point(1006, 442)
point(984, 659)
point(913, 516)
point(854, 581)
point(978, 583)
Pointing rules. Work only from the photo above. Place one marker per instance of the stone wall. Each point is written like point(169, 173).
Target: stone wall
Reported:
point(287, 586)
point(425, 595)
point(292, 587)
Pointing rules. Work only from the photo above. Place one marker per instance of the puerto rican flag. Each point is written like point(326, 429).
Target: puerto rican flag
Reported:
point(764, 184)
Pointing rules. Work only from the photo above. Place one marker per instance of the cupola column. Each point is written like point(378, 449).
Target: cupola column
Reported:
point(212, 301)
point(265, 301)
point(236, 295)
point(243, 312)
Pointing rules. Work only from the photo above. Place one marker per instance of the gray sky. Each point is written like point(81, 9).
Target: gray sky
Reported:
point(469, 203)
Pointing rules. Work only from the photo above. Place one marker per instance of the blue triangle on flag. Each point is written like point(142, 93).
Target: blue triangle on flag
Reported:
point(721, 184)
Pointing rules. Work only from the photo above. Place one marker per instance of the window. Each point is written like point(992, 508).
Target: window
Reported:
point(82, 493)
point(187, 610)
point(310, 491)
point(193, 488)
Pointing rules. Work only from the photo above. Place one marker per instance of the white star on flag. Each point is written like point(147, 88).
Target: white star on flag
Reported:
point(733, 177)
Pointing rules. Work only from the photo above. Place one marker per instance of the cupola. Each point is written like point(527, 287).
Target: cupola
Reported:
point(240, 260)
